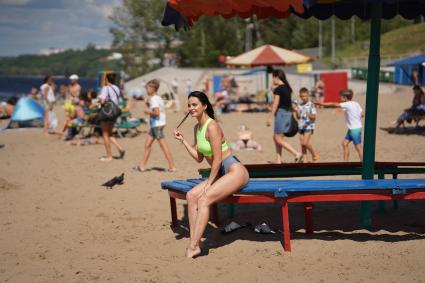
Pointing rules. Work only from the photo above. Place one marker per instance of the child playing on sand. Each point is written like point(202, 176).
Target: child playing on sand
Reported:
point(353, 118)
point(156, 113)
point(306, 115)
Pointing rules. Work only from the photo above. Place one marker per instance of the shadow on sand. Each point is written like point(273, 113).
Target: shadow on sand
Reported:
point(420, 131)
point(332, 222)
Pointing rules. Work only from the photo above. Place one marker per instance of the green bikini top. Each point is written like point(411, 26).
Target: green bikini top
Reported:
point(203, 144)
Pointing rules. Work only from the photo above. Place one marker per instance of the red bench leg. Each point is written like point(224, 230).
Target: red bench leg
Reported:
point(286, 230)
point(173, 212)
point(308, 213)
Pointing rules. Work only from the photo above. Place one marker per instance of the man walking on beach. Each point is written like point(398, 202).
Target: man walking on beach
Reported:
point(74, 86)
point(48, 96)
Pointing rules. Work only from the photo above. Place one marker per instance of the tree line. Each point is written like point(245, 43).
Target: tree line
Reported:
point(143, 41)
point(85, 63)
point(138, 27)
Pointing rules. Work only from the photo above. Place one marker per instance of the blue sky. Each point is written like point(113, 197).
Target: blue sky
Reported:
point(27, 26)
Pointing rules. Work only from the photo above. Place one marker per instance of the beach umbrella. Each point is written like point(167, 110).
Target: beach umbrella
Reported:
point(268, 55)
point(183, 13)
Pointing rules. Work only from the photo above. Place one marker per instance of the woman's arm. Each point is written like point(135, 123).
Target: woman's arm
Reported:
point(190, 148)
point(275, 104)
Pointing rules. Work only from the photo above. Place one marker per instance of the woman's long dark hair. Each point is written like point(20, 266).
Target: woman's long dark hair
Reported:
point(281, 75)
point(203, 98)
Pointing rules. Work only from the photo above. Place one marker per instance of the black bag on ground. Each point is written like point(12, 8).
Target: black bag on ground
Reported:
point(293, 129)
point(109, 112)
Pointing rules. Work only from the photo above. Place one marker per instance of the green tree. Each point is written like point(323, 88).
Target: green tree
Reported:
point(138, 34)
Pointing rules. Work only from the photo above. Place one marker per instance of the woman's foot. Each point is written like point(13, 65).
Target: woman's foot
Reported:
point(105, 159)
point(192, 253)
point(139, 169)
point(315, 158)
point(171, 170)
point(298, 158)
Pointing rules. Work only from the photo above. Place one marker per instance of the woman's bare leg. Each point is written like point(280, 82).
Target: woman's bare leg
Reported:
point(192, 198)
point(279, 140)
point(278, 150)
point(46, 120)
point(228, 184)
point(113, 139)
point(106, 140)
point(167, 154)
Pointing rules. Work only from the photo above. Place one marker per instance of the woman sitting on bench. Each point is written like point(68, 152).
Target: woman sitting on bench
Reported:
point(227, 174)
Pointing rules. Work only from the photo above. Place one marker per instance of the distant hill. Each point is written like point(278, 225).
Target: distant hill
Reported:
point(85, 63)
point(405, 40)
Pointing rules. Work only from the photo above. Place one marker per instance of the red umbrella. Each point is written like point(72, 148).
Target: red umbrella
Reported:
point(193, 9)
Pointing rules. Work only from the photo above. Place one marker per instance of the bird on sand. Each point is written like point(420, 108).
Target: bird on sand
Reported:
point(117, 180)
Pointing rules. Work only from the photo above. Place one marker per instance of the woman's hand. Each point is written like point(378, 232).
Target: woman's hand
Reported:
point(178, 135)
point(204, 192)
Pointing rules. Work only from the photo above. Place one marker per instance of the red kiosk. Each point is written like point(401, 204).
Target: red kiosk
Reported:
point(334, 83)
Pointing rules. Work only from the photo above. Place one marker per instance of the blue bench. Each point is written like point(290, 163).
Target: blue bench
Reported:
point(307, 192)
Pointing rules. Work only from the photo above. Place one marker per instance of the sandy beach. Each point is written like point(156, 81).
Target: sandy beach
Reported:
point(57, 224)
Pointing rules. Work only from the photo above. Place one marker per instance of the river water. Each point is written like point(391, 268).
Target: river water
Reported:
point(21, 85)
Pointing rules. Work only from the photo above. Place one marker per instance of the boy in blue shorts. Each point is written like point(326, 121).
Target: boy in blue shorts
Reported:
point(353, 118)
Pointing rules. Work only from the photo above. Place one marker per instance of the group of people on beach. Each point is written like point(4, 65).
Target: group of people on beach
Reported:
point(227, 174)
point(284, 108)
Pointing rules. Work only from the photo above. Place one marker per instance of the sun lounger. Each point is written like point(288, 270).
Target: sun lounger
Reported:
point(307, 192)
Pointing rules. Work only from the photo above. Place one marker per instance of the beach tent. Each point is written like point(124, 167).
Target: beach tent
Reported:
point(183, 13)
point(404, 68)
point(28, 113)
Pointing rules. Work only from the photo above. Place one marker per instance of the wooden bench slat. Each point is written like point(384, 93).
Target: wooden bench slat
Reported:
point(281, 187)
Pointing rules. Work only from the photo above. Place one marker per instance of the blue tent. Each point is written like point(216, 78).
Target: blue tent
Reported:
point(27, 109)
point(404, 68)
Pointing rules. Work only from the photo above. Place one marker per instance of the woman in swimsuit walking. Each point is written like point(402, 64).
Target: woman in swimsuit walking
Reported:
point(227, 174)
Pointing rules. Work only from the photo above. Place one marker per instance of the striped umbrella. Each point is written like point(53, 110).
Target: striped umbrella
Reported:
point(268, 55)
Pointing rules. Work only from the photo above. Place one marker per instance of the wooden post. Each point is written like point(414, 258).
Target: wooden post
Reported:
point(308, 214)
point(286, 228)
point(371, 106)
point(173, 212)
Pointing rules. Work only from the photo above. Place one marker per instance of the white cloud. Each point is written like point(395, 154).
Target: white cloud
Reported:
point(53, 23)
point(14, 2)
